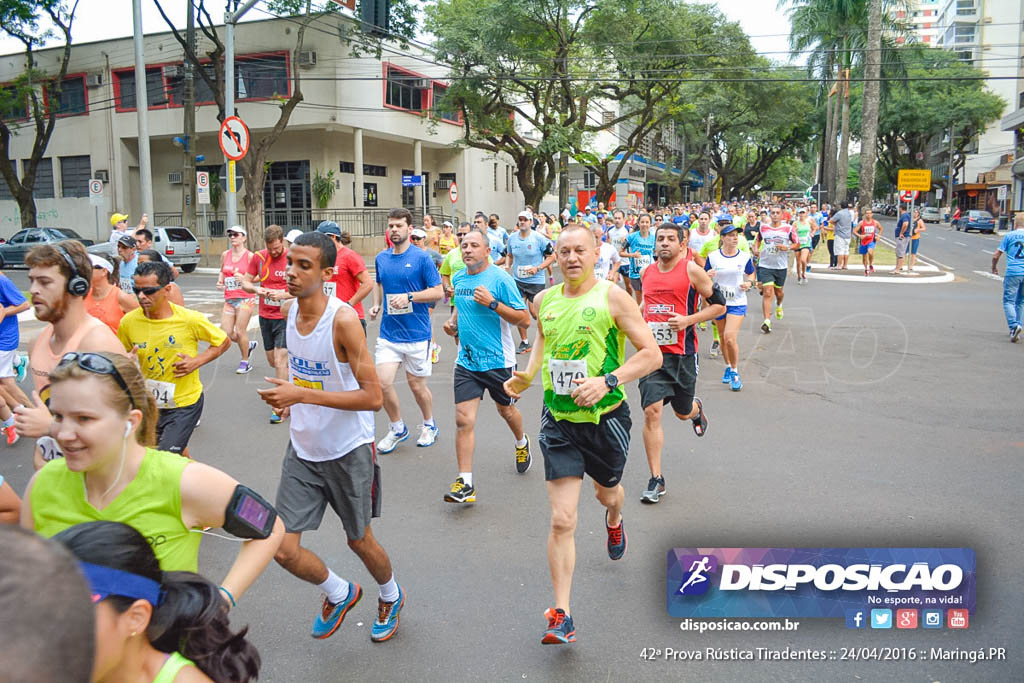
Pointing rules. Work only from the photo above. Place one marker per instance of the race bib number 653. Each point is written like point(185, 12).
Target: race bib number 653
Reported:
point(563, 372)
point(663, 334)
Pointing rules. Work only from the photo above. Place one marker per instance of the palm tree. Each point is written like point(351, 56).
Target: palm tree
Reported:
point(872, 99)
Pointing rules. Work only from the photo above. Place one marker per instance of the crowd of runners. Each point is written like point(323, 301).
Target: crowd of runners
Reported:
point(116, 391)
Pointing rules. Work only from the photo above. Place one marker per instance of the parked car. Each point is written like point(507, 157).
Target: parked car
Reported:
point(178, 244)
point(976, 219)
point(931, 214)
point(13, 251)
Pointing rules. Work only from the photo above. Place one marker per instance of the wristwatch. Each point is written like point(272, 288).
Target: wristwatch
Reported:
point(493, 305)
point(410, 297)
point(611, 381)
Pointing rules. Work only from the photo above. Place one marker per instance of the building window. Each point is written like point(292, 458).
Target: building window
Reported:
point(13, 107)
point(368, 169)
point(964, 33)
point(5, 191)
point(43, 188)
point(495, 177)
point(965, 8)
point(405, 90)
point(262, 77)
point(74, 176)
point(155, 94)
point(589, 179)
point(71, 100)
point(437, 95)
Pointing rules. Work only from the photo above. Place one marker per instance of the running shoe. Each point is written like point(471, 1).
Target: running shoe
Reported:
point(655, 490)
point(21, 367)
point(460, 492)
point(524, 346)
point(616, 538)
point(1015, 335)
point(428, 435)
point(703, 325)
point(778, 312)
point(252, 346)
point(736, 384)
point(12, 435)
point(714, 348)
point(243, 368)
point(331, 615)
point(390, 440)
point(727, 375)
point(275, 419)
point(523, 458)
point(872, 269)
point(766, 326)
point(560, 628)
point(387, 618)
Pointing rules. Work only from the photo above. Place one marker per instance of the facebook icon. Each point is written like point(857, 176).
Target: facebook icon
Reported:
point(855, 618)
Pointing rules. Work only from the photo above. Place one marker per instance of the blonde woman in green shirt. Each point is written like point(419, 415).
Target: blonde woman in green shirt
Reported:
point(104, 420)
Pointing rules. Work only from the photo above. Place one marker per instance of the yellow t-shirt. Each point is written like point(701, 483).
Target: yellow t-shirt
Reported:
point(160, 342)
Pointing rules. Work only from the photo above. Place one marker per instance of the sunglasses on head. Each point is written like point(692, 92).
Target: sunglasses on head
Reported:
point(148, 291)
point(96, 364)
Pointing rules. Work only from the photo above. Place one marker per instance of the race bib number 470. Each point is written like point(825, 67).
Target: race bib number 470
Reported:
point(563, 372)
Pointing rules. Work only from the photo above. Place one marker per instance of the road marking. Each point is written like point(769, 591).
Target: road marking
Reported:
point(940, 238)
point(990, 276)
point(960, 244)
point(988, 252)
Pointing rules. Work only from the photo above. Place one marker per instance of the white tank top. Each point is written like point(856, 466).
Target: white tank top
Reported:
point(319, 433)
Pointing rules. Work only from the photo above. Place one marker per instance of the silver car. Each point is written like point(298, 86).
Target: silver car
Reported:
point(177, 244)
point(931, 214)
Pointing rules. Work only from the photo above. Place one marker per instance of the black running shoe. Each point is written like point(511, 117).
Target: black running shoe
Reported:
point(655, 490)
point(616, 539)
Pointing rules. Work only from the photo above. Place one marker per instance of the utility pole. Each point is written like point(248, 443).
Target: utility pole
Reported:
point(141, 113)
point(189, 107)
point(949, 172)
point(231, 18)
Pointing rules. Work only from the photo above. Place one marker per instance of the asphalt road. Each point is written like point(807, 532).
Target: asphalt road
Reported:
point(874, 415)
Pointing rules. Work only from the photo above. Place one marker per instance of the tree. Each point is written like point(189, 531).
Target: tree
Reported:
point(872, 98)
point(22, 106)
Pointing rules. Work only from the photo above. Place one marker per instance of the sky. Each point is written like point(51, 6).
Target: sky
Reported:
point(104, 19)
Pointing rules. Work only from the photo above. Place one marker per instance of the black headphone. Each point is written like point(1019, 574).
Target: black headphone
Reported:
point(77, 285)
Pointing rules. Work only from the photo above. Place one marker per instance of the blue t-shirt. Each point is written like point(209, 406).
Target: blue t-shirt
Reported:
point(822, 218)
point(9, 296)
point(1013, 246)
point(496, 240)
point(529, 251)
point(644, 246)
point(126, 274)
point(485, 339)
point(903, 225)
point(411, 271)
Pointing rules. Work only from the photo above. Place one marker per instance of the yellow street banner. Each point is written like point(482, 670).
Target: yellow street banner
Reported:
point(231, 176)
point(914, 179)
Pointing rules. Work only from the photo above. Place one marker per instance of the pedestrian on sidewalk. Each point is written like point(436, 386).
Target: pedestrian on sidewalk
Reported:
point(1013, 278)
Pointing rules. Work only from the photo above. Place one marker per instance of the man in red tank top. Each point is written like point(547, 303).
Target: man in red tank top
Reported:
point(672, 285)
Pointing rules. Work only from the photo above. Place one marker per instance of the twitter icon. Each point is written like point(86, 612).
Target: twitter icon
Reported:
point(881, 618)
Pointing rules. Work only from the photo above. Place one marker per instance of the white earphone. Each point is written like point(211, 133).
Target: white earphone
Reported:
point(127, 428)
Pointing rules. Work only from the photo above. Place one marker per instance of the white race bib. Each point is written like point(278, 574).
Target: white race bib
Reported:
point(232, 283)
point(330, 288)
point(163, 392)
point(663, 334)
point(728, 292)
point(769, 249)
point(400, 305)
point(267, 301)
point(521, 273)
point(643, 261)
point(127, 285)
point(599, 273)
point(49, 448)
point(563, 372)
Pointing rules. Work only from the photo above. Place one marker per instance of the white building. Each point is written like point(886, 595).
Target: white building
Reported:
point(923, 18)
point(368, 120)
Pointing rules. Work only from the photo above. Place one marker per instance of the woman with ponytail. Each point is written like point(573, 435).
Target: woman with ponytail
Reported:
point(153, 625)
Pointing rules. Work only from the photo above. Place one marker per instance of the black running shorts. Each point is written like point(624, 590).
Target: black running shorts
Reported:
point(470, 385)
point(674, 382)
point(572, 449)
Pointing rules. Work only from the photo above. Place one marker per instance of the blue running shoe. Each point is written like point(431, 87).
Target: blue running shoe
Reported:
point(560, 629)
point(727, 376)
point(391, 440)
point(387, 618)
point(616, 538)
point(275, 419)
point(331, 616)
point(736, 384)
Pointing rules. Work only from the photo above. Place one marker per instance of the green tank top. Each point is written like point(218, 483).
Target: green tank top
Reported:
point(580, 340)
point(803, 231)
point(174, 664)
point(151, 503)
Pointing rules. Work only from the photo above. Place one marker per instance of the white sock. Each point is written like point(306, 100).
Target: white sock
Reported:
point(467, 477)
point(389, 590)
point(335, 587)
point(522, 442)
point(430, 423)
point(398, 427)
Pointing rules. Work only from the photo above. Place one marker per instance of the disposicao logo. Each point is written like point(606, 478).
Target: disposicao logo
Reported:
point(816, 582)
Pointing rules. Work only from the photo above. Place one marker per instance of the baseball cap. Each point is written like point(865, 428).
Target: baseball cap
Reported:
point(117, 218)
point(106, 581)
point(727, 228)
point(449, 224)
point(127, 241)
point(329, 228)
point(802, 209)
point(292, 234)
point(100, 262)
point(237, 228)
point(525, 214)
point(419, 232)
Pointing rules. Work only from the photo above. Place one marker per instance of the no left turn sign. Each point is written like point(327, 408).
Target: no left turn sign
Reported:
point(234, 138)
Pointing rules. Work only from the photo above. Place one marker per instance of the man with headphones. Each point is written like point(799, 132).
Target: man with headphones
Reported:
point(59, 276)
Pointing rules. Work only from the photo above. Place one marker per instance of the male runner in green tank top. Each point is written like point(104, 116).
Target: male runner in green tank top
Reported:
point(580, 348)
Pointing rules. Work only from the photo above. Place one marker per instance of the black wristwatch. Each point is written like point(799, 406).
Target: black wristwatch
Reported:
point(611, 381)
point(410, 296)
point(493, 305)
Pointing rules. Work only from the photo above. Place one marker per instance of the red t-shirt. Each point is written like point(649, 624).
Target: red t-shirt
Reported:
point(347, 267)
point(232, 271)
point(669, 294)
point(270, 275)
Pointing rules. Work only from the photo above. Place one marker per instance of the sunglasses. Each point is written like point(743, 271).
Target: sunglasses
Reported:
point(235, 234)
point(148, 291)
point(98, 365)
point(461, 234)
point(415, 239)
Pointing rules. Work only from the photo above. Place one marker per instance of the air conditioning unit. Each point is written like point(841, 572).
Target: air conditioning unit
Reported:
point(93, 80)
point(173, 71)
point(307, 58)
point(102, 176)
point(442, 184)
point(174, 178)
point(420, 83)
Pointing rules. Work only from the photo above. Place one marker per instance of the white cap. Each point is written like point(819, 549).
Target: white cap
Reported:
point(525, 214)
point(418, 232)
point(100, 262)
point(237, 228)
point(292, 234)
point(449, 224)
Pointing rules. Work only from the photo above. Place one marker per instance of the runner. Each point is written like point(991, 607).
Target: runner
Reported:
point(733, 272)
point(105, 301)
point(617, 237)
point(103, 417)
point(333, 392)
point(701, 234)
point(672, 287)
point(806, 231)
point(12, 302)
point(174, 294)
point(144, 241)
point(453, 263)
point(448, 240)
point(126, 250)
point(527, 255)
point(165, 338)
point(487, 305)
point(1012, 245)
point(868, 231)
point(408, 282)
point(771, 247)
point(266, 279)
point(607, 265)
point(351, 281)
point(238, 303)
point(640, 251)
point(585, 420)
point(915, 241)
